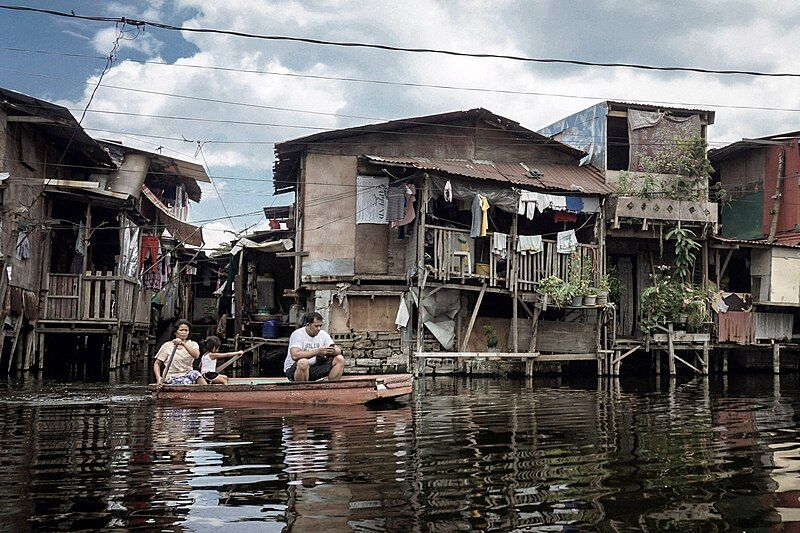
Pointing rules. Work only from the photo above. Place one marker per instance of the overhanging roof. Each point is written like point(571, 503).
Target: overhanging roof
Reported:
point(286, 153)
point(160, 165)
point(57, 123)
point(550, 176)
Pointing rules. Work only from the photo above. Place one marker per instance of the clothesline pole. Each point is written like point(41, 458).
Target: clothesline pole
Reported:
point(85, 259)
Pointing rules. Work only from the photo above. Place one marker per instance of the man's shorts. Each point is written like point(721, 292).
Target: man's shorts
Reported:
point(315, 371)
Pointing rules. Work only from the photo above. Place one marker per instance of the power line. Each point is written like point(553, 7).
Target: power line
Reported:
point(378, 82)
point(392, 48)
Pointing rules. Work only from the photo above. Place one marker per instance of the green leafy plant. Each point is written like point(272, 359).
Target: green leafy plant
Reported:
point(558, 290)
point(685, 247)
point(670, 299)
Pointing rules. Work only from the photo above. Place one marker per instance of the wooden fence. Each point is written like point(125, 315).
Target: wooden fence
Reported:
point(95, 296)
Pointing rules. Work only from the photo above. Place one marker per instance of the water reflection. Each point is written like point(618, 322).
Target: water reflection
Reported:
point(462, 455)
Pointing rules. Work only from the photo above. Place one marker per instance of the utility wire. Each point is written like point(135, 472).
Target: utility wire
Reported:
point(380, 82)
point(214, 182)
point(392, 48)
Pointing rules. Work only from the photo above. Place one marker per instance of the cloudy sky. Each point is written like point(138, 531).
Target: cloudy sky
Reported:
point(714, 34)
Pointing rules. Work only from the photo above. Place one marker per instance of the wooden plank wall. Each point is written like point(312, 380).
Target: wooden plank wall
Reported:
point(566, 337)
point(329, 200)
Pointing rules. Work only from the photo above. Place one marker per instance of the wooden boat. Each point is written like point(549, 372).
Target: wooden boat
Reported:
point(350, 390)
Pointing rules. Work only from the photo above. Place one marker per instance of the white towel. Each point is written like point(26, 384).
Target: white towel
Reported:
point(556, 203)
point(401, 320)
point(566, 242)
point(499, 244)
point(529, 244)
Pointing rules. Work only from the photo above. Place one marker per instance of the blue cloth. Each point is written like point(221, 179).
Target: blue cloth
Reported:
point(575, 204)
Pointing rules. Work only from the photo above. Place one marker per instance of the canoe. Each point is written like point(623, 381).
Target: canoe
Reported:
point(350, 390)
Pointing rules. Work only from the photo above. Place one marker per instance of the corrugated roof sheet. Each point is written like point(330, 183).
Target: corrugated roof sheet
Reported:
point(567, 178)
point(786, 240)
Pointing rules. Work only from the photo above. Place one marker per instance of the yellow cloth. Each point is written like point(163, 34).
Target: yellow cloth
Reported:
point(484, 215)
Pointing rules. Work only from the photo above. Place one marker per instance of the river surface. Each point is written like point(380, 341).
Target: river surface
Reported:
point(461, 455)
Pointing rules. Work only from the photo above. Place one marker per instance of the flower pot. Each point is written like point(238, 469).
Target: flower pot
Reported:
point(577, 301)
point(493, 349)
point(590, 299)
point(602, 298)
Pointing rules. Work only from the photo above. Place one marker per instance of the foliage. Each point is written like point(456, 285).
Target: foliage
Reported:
point(491, 335)
point(670, 299)
point(685, 247)
point(558, 290)
point(684, 159)
point(614, 284)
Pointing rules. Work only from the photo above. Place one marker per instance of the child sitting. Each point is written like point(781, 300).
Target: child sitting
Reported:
point(208, 363)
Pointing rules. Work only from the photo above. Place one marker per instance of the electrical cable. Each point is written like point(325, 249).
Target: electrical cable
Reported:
point(392, 48)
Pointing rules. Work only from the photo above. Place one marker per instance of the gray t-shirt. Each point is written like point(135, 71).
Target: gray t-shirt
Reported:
point(301, 339)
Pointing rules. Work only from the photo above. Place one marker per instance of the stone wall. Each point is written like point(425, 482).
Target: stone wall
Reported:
point(379, 352)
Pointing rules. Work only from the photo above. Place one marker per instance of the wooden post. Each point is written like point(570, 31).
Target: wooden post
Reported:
point(776, 204)
point(725, 353)
point(472, 318)
point(657, 361)
point(420, 234)
point(705, 262)
point(705, 358)
point(776, 358)
point(671, 351)
point(238, 295)
point(512, 273)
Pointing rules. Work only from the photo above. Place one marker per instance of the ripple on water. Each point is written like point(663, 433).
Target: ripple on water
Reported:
point(462, 455)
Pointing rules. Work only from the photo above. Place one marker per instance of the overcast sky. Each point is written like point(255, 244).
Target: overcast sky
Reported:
point(754, 35)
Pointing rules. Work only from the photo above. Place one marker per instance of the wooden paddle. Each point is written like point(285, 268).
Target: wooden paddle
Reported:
point(230, 361)
point(166, 369)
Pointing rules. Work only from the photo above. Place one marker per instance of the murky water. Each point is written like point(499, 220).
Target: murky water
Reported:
point(479, 454)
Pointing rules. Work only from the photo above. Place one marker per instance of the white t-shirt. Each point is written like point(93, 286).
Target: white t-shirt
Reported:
point(207, 364)
point(301, 339)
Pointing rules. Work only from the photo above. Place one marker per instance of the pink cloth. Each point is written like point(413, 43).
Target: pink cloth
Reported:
point(409, 213)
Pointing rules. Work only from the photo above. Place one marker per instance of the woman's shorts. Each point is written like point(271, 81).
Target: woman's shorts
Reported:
point(189, 378)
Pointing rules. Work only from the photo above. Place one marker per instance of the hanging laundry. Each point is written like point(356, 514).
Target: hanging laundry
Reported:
point(408, 215)
point(448, 192)
point(563, 216)
point(80, 241)
point(529, 244)
point(556, 203)
point(480, 221)
point(401, 320)
point(395, 202)
point(566, 242)
point(23, 248)
point(149, 249)
point(499, 244)
point(591, 205)
point(575, 204)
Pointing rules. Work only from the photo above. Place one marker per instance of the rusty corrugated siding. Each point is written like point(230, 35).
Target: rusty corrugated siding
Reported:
point(737, 326)
point(566, 178)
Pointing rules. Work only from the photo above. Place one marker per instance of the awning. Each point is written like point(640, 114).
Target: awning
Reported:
point(183, 231)
point(271, 246)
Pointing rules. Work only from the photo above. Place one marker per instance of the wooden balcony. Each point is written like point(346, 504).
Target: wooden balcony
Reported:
point(454, 258)
point(661, 209)
point(95, 297)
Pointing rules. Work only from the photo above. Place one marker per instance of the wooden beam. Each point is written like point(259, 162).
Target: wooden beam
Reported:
point(472, 319)
point(31, 119)
point(776, 204)
point(685, 363)
point(475, 355)
point(626, 354)
point(291, 254)
point(725, 265)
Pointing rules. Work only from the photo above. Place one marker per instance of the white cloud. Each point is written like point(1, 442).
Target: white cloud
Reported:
point(556, 29)
point(103, 41)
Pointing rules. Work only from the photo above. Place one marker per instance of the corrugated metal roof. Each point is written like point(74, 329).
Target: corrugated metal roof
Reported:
point(787, 240)
point(653, 107)
point(567, 178)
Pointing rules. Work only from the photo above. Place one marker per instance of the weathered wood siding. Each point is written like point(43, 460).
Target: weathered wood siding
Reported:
point(329, 215)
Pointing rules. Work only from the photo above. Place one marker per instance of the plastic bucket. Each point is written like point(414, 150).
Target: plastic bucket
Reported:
point(270, 329)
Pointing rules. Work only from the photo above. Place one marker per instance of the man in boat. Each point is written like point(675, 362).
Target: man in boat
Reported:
point(312, 353)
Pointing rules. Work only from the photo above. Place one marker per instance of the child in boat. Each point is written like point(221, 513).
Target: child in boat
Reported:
point(208, 363)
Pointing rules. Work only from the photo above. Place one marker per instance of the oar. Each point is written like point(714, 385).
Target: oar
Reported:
point(166, 369)
point(230, 361)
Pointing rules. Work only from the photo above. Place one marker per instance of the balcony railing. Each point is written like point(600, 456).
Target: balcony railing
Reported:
point(661, 209)
point(454, 258)
point(96, 296)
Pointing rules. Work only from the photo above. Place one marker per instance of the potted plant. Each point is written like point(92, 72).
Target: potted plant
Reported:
point(602, 290)
point(548, 287)
point(576, 293)
point(491, 337)
point(590, 298)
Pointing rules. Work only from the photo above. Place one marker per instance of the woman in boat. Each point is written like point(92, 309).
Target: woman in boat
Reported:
point(180, 372)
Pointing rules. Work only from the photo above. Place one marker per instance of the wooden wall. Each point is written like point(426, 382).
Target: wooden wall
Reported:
point(329, 222)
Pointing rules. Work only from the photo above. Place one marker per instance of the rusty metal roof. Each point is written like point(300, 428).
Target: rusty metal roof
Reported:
point(782, 240)
point(551, 176)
